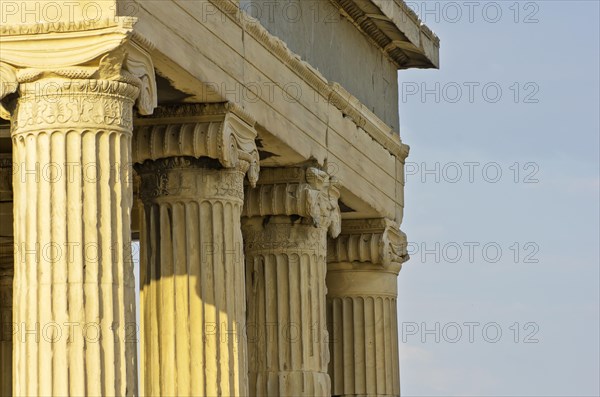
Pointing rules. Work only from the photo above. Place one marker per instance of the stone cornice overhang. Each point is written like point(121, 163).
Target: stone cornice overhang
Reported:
point(393, 27)
point(348, 104)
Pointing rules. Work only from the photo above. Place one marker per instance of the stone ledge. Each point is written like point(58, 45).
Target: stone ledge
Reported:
point(396, 30)
point(335, 94)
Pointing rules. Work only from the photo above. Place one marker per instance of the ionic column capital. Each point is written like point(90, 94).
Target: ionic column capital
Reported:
point(99, 50)
point(220, 131)
point(374, 243)
point(304, 192)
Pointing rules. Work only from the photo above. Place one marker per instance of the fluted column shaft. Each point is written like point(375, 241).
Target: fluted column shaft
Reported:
point(285, 232)
point(287, 335)
point(192, 278)
point(363, 265)
point(71, 114)
point(192, 160)
point(364, 333)
point(73, 289)
point(6, 275)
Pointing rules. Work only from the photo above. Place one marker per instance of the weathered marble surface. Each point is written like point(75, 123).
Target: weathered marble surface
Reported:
point(252, 165)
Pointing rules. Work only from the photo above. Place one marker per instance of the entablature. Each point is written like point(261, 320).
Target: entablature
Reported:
point(223, 55)
point(396, 30)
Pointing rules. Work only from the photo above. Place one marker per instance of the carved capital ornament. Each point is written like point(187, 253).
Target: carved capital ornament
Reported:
point(378, 242)
point(308, 193)
point(105, 50)
point(219, 131)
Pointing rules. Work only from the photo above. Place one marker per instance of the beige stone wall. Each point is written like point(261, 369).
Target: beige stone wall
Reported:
point(323, 37)
point(239, 61)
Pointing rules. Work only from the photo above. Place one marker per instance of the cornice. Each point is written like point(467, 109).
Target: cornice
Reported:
point(334, 93)
point(220, 131)
point(411, 45)
point(368, 121)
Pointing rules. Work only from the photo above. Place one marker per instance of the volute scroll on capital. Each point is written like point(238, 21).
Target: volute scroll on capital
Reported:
point(379, 242)
point(310, 193)
point(100, 50)
point(219, 131)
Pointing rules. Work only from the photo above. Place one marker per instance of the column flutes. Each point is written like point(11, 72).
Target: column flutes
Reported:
point(362, 268)
point(287, 217)
point(74, 290)
point(71, 113)
point(192, 161)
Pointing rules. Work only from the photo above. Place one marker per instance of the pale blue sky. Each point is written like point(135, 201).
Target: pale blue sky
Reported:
point(558, 215)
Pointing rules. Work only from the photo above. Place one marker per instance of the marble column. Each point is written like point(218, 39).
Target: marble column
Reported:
point(362, 268)
point(71, 113)
point(74, 291)
point(6, 274)
point(285, 225)
point(192, 161)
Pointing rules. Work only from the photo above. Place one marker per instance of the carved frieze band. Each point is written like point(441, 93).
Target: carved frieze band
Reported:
point(309, 193)
point(88, 104)
point(220, 131)
point(111, 53)
point(376, 241)
point(189, 178)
